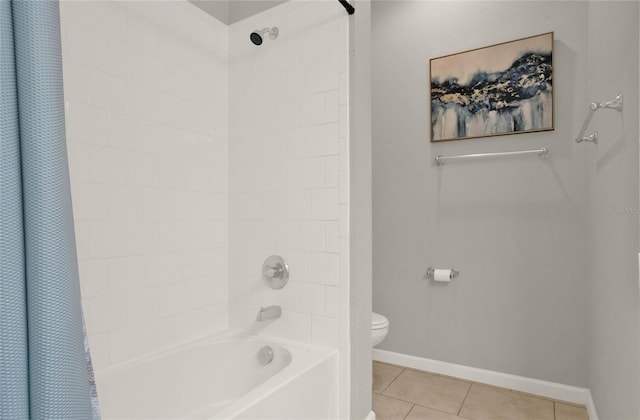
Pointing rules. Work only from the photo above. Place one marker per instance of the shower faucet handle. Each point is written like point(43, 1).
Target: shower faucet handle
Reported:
point(275, 272)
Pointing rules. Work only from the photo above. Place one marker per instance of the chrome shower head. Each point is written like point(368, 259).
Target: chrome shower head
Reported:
point(257, 36)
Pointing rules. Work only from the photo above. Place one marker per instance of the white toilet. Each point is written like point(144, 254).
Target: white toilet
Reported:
point(379, 328)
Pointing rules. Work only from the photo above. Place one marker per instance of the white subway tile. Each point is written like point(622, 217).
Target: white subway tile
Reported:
point(289, 297)
point(108, 166)
point(159, 333)
point(185, 266)
point(324, 140)
point(312, 109)
point(298, 143)
point(107, 91)
point(312, 298)
point(160, 269)
point(291, 174)
point(313, 47)
point(312, 236)
point(331, 106)
point(332, 171)
point(298, 327)
point(274, 205)
point(311, 173)
point(76, 81)
point(336, 41)
point(90, 201)
point(142, 305)
point(94, 277)
point(331, 301)
point(124, 60)
point(186, 326)
point(107, 313)
point(324, 331)
point(142, 101)
point(286, 235)
point(86, 124)
point(332, 234)
point(324, 269)
point(299, 266)
point(127, 273)
point(127, 343)
point(158, 73)
point(324, 204)
point(299, 205)
point(213, 318)
point(286, 55)
point(124, 132)
point(159, 139)
point(125, 203)
point(157, 204)
point(323, 76)
point(108, 20)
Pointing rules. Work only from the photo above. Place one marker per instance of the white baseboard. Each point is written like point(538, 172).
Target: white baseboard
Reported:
point(591, 407)
point(371, 416)
point(547, 389)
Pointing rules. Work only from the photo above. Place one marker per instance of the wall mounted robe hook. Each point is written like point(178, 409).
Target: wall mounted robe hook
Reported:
point(616, 104)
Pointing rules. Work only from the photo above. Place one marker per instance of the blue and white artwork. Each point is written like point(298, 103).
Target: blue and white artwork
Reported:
point(502, 89)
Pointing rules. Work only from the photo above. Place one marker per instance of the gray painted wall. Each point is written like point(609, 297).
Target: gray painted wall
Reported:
point(516, 228)
point(614, 351)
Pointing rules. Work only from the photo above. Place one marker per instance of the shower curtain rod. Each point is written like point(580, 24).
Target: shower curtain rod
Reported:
point(348, 7)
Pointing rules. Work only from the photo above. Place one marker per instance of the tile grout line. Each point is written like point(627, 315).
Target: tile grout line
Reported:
point(394, 379)
point(409, 412)
point(465, 399)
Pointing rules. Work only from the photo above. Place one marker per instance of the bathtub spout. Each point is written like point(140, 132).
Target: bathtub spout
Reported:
point(270, 312)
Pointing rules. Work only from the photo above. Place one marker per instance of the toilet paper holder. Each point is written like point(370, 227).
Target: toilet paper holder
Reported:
point(431, 271)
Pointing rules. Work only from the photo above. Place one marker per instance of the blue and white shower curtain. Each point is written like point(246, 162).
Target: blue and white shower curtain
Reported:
point(44, 365)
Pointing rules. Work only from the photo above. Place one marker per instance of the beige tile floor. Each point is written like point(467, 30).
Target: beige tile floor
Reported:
point(408, 394)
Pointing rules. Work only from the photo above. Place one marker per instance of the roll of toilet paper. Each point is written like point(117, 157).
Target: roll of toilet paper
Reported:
point(442, 275)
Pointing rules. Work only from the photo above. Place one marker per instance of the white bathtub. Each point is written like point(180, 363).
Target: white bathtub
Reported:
point(220, 377)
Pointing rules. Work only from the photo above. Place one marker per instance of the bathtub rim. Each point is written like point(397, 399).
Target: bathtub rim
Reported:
point(304, 357)
point(228, 334)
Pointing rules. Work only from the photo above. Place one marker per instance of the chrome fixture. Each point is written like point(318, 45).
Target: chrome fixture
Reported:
point(616, 104)
point(265, 355)
point(270, 312)
point(258, 36)
point(275, 272)
point(544, 153)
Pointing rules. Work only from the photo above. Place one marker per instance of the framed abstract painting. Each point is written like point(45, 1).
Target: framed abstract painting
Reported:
point(502, 89)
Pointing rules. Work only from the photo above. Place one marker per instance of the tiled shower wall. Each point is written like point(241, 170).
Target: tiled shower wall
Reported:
point(288, 169)
point(147, 129)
